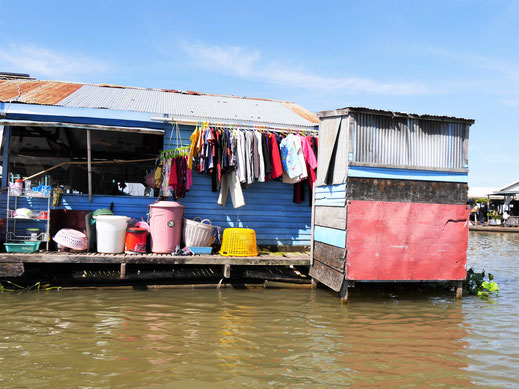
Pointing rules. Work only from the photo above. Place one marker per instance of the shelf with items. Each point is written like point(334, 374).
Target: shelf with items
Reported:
point(23, 209)
point(12, 236)
point(29, 193)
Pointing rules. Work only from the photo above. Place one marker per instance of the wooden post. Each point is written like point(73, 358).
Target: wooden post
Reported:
point(227, 271)
point(314, 283)
point(123, 270)
point(6, 140)
point(343, 294)
point(459, 289)
point(312, 226)
point(89, 159)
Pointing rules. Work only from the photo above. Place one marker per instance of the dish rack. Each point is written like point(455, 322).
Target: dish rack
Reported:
point(16, 225)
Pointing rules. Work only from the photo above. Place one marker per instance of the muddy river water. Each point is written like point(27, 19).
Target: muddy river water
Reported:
point(208, 338)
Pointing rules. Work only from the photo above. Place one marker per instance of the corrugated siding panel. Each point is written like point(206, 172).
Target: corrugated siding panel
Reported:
point(330, 195)
point(408, 142)
point(194, 106)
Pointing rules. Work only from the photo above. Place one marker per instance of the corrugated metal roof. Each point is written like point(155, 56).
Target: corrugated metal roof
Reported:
point(36, 92)
point(347, 110)
point(184, 104)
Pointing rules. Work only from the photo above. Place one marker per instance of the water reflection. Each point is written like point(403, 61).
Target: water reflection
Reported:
point(259, 338)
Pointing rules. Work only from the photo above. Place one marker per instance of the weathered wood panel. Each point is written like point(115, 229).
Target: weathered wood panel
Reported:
point(340, 169)
point(11, 269)
point(327, 275)
point(334, 257)
point(156, 259)
point(328, 129)
point(333, 217)
point(330, 236)
point(374, 189)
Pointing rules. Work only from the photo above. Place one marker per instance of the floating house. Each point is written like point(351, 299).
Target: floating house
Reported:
point(390, 198)
point(49, 123)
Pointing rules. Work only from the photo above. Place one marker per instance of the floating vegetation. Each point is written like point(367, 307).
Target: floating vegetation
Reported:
point(476, 284)
point(12, 287)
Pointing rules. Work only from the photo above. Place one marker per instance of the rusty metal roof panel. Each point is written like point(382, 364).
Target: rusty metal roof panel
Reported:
point(190, 105)
point(36, 92)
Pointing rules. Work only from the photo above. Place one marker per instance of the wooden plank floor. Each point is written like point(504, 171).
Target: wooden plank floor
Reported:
point(296, 259)
point(494, 228)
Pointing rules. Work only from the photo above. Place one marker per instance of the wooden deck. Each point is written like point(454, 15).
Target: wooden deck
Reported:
point(286, 259)
point(493, 228)
point(13, 264)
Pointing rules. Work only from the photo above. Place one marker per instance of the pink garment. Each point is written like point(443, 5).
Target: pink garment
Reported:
point(308, 153)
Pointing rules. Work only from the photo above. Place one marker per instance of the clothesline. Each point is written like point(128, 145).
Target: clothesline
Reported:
point(233, 157)
point(241, 125)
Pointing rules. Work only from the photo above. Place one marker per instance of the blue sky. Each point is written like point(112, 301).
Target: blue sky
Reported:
point(457, 57)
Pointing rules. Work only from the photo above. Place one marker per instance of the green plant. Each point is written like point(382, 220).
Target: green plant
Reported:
point(482, 201)
point(18, 288)
point(475, 284)
point(494, 215)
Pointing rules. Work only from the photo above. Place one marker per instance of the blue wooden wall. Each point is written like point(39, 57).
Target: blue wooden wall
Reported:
point(269, 209)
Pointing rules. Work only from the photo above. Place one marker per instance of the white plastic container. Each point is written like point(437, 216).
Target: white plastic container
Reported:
point(111, 233)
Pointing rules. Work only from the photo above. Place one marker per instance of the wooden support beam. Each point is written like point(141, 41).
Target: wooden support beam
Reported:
point(459, 288)
point(6, 140)
point(343, 294)
point(89, 159)
point(123, 270)
point(227, 270)
point(11, 269)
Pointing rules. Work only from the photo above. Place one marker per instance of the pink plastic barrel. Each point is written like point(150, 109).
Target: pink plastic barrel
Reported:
point(165, 226)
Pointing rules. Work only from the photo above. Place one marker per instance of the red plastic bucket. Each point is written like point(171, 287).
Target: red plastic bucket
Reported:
point(135, 240)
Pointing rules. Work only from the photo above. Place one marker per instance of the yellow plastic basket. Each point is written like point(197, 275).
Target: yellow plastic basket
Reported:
point(239, 242)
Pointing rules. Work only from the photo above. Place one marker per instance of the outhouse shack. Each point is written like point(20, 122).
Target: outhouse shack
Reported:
point(390, 198)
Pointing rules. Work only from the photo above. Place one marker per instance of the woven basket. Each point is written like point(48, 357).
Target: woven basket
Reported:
point(239, 242)
point(198, 234)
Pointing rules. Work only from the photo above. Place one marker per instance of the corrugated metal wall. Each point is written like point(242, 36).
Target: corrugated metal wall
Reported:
point(386, 140)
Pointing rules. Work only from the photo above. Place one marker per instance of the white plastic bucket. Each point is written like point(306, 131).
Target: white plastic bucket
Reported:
point(111, 233)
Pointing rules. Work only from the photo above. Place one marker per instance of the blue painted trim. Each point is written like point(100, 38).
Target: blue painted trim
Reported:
point(330, 236)
point(2, 106)
point(17, 111)
point(5, 161)
point(407, 174)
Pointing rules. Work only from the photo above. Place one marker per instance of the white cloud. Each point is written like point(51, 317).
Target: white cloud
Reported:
point(248, 64)
point(39, 61)
point(505, 68)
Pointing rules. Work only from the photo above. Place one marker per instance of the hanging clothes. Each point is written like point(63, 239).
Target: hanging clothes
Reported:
point(231, 184)
point(261, 157)
point(234, 157)
point(291, 160)
point(276, 164)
